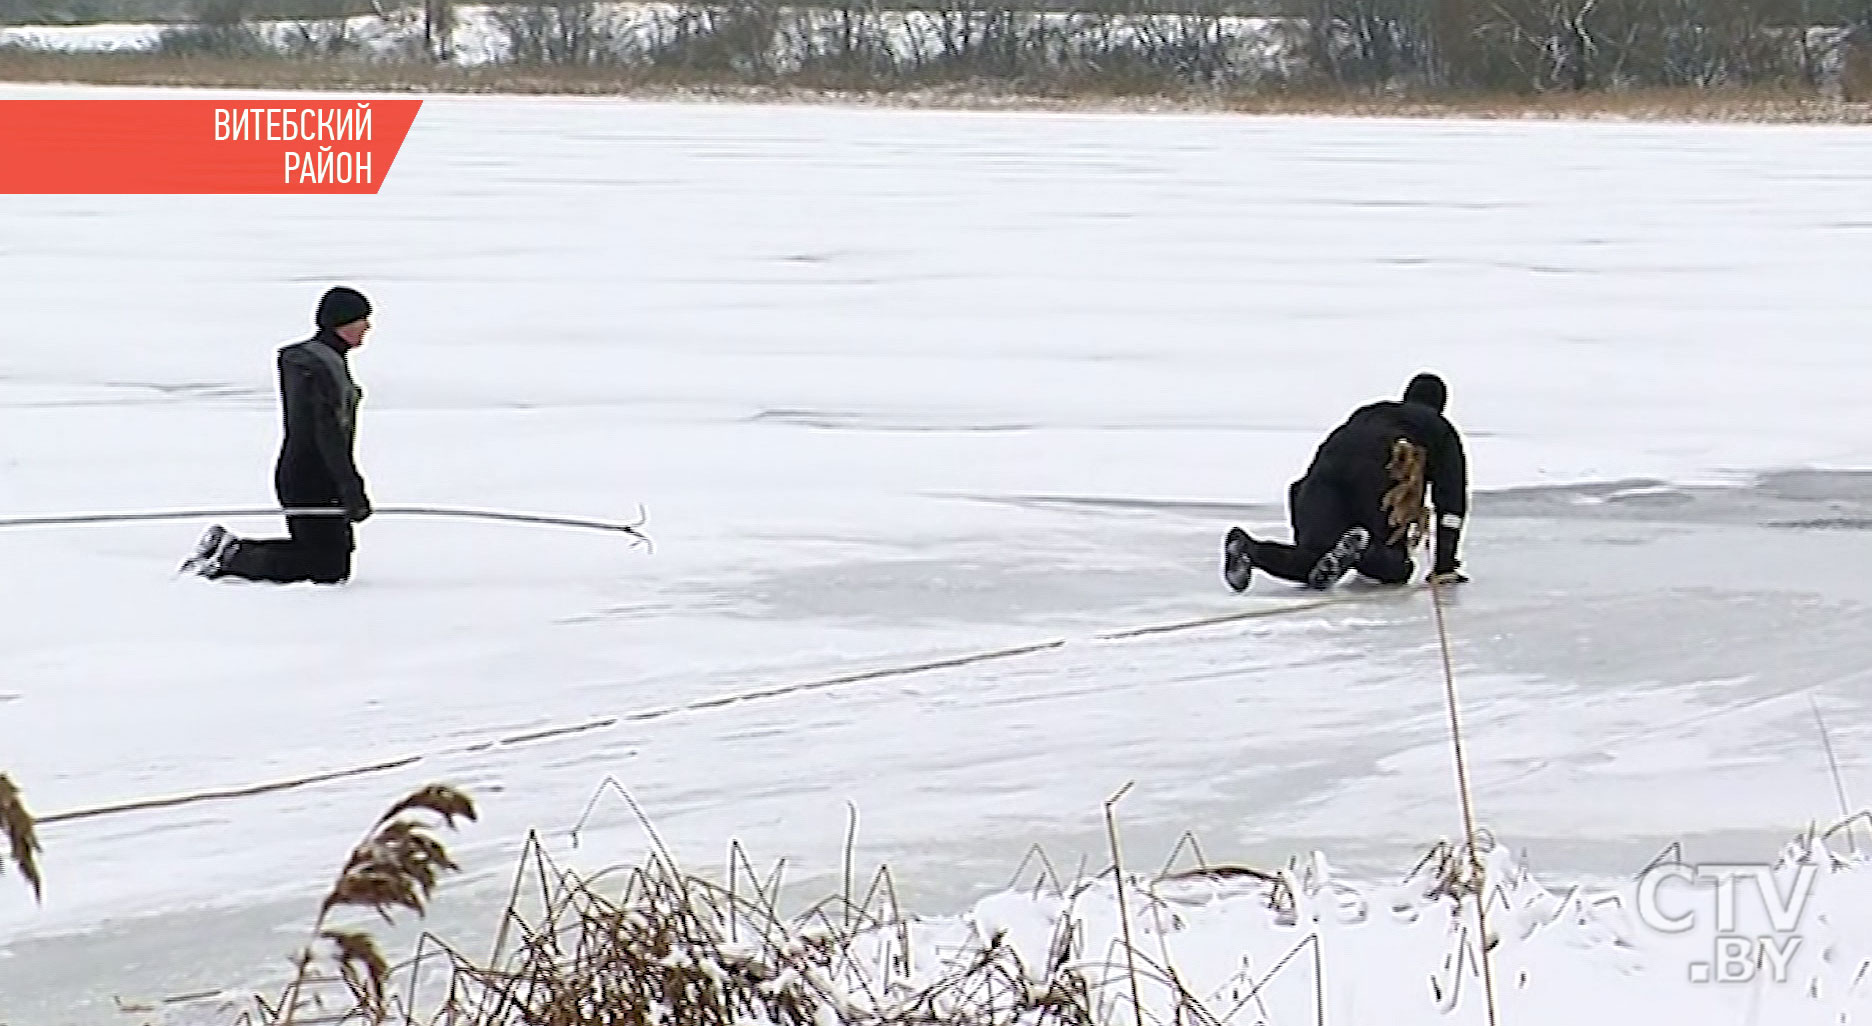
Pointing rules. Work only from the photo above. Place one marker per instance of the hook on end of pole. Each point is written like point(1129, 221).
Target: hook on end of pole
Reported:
point(633, 528)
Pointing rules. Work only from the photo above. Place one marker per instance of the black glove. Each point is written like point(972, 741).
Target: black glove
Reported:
point(357, 506)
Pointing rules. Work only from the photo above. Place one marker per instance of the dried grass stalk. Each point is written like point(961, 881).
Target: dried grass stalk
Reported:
point(652, 944)
point(363, 968)
point(22, 835)
point(440, 799)
point(396, 867)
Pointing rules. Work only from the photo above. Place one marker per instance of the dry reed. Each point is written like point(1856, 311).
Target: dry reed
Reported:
point(396, 866)
point(654, 944)
point(22, 835)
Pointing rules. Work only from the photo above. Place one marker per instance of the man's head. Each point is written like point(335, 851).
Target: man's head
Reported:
point(1427, 389)
point(346, 313)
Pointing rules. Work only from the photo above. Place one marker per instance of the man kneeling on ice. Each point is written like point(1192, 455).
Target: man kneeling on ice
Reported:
point(1362, 504)
point(316, 468)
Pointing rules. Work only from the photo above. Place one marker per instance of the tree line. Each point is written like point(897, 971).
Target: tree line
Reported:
point(1422, 47)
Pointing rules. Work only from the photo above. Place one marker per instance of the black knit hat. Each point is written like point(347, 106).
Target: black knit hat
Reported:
point(1428, 390)
point(341, 306)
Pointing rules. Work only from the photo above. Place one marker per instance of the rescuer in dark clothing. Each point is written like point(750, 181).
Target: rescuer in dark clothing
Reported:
point(1362, 505)
point(316, 468)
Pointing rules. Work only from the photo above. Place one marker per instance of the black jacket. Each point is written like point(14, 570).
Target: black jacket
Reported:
point(319, 402)
point(1356, 453)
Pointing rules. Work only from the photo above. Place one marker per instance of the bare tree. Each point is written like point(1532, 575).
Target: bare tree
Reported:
point(219, 28)
point(562, 32)
point(438, 30)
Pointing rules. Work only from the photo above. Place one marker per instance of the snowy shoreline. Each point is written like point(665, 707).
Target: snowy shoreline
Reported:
point(1787, 937)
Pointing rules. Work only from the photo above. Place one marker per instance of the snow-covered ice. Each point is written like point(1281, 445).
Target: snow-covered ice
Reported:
point(898, 387)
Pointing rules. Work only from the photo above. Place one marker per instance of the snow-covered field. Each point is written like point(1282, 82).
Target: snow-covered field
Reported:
point(899, 387)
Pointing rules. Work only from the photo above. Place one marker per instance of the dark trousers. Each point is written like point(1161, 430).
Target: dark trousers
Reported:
point(1322, 510)
point(318, 549)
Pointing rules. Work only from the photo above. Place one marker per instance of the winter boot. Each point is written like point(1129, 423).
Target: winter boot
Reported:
point(1237, 559)
point(210, 552)
point(1340, 559)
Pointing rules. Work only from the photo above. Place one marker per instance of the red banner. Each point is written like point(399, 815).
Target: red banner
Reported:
point(198, 147)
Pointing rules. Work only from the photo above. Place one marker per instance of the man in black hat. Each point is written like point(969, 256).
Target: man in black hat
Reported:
point(1362, 505)
point(316, 467)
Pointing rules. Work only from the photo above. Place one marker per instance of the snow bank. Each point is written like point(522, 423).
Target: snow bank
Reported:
point(1213, 944)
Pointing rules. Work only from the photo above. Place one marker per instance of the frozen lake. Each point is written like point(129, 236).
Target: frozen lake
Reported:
point(898, 387)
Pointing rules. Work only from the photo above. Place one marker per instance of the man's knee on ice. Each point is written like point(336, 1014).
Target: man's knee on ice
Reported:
point(330, 570)
point(1386, 567)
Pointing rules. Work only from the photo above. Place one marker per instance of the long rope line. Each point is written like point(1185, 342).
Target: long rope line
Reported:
point(450, 512)
point(1467, 800)
point(224, 794)
point(546, 733)
point(696, 705)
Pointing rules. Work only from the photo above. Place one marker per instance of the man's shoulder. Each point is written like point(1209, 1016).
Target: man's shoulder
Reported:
point(1383, 409)
point(1420, 421)
point(302, 366)
point(311, 354)
point(298, 352)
